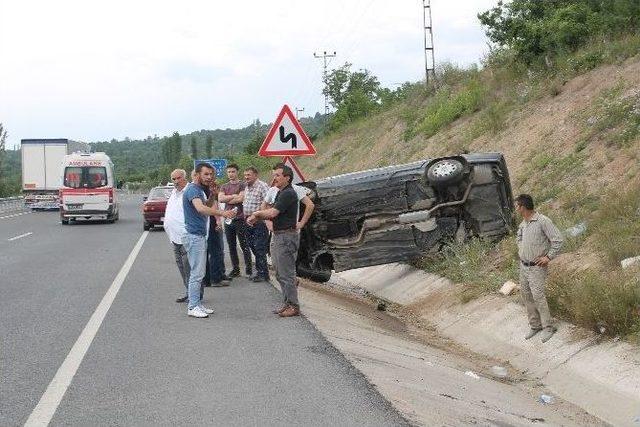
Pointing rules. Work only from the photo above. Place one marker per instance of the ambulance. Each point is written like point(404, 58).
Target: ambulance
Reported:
point(88, 188)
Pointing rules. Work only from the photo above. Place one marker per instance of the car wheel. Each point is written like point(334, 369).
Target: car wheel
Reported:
point(319, 276)
point(146, 226)
point(445, 171)
point(64, 221)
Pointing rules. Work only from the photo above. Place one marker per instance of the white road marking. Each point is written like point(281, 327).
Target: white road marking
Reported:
point(20, 236)
point(50, 400)
point(14, 215)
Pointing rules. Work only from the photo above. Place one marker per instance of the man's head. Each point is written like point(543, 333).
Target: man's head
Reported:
point(204, 174)
point(251, 175)
point(524, 204)
point(232, 171)
point(282, 175)
point(179, 178)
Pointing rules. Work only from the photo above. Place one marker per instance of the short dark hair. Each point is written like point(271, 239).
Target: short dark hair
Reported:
point(201, 165)
point(526, 201)
point(233, 166)
point(252, 169)
point(286, 171)
point(279, 165)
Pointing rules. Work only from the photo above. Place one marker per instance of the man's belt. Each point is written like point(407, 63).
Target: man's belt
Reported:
point(528, 263)
point(286, 230)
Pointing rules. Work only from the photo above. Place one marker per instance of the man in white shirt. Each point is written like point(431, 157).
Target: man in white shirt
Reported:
point(174, 227)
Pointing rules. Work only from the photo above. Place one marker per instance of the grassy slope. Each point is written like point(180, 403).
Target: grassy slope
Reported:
point(572, 142)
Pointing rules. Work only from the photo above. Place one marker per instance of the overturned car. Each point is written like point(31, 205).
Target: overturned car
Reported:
point(399, 213)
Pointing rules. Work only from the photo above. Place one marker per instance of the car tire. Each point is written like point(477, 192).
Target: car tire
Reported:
point(64, 221)
point(146, 226)
point(445, 172)
point(320, 276)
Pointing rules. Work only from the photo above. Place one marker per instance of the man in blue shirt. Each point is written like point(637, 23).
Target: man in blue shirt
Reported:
point(196, 219)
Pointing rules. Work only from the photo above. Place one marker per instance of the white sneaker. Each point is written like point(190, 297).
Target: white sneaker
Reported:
point(197, 312)
point(205, 309)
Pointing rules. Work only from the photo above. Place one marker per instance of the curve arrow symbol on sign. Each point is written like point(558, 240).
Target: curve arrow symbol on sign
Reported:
point(290, 136)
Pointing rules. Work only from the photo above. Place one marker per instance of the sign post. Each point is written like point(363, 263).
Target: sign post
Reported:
point(287, 138)
point(220, 165)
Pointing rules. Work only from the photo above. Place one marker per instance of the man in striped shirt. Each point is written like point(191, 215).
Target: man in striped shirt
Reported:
point(251, 198)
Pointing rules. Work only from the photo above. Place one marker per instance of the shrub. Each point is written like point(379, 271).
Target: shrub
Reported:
point(617, 225)
point(596, 300)
point(446, 107)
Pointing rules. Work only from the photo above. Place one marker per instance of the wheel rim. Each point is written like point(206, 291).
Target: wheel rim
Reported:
point(444, 169)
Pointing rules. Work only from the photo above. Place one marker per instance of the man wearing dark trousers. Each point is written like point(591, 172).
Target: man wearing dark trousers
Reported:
point(257, 234)
point(215, 247)
point(286, 240)
point(235, 229)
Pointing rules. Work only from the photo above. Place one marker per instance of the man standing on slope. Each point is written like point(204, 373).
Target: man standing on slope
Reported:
point(196, 215)
point(539, 241)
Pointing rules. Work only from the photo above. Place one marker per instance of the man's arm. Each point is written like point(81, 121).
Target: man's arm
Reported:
point(235, 199)
point(309, 206)
point(224, 198)
point(268, 213)
point(211, 211)
point(554, 236)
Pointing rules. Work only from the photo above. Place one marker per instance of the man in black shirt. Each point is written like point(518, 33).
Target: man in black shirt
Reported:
point(286, 240)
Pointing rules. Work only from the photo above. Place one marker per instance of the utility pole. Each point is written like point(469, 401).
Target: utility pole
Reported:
point(324, 56)
point(299, 110)
point(429, 66)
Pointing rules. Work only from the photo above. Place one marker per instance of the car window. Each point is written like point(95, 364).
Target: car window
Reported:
point(85, 177)
point(159, 194)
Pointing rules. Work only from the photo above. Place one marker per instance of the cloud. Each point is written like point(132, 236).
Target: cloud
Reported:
point(95, 71)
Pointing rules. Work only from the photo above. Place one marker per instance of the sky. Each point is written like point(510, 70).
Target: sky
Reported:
point(93, 71)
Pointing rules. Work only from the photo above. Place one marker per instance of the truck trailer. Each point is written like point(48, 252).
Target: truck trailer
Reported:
point(41, 163)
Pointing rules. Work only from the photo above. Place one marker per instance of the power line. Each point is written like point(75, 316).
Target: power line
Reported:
point(429, 66)
point(324, 57)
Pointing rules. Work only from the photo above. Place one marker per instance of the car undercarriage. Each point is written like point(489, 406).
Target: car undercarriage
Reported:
point(399, 213)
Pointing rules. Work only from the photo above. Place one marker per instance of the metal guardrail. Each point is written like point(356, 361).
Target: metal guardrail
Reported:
point(10, 204)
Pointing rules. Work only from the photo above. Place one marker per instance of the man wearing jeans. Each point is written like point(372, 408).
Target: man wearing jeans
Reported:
point(196, 215)
point(257, 234)
point(286, 240)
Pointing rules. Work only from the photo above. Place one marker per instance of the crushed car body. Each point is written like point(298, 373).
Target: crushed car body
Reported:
point(399, 213)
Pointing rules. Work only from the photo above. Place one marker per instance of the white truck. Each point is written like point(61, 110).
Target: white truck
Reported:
point(41, 163)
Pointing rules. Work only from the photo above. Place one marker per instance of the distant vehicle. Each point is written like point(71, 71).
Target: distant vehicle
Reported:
point(155, 205)
point(41, 161)
point(88, 188)
point(399, 213)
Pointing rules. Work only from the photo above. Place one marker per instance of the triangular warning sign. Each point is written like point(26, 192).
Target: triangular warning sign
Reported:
point(286, 137)
point(298, 177)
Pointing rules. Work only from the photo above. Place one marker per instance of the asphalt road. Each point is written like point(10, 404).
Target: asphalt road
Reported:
point(149, 363)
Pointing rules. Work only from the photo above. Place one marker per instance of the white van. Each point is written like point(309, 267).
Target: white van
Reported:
point(88, 188)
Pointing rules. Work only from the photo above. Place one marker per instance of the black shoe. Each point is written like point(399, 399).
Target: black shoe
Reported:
point(225, 277)
point(182, 299)
point(249, 273)
point(220, 284)
point(234, 273)
point(258, 279)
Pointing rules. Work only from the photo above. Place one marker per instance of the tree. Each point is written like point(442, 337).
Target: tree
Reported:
point(194, 147)
point(256, 139)
point(172, 149)
point(3, 141)
point(536, 29)
point(354, 94)
point(208, 149)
